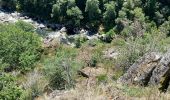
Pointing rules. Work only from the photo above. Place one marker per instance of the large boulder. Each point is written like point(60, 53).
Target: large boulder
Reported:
point(161, 74)
point(151, 69)
point(141, 71)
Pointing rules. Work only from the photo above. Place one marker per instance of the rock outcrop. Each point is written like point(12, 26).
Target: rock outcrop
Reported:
point(161, 74)
point(151, 69)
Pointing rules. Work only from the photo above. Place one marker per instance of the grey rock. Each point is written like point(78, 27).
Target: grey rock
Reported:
point(151, 69)
point(141, 70)
point(61, 37)
point(63, 30)
point(110, 53)
point(161, 74)
point(41, 26)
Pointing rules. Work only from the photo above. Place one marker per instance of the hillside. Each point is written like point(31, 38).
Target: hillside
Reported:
point(84, 49)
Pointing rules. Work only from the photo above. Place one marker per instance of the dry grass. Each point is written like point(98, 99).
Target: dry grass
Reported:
point(84, 55)
point(111, 91)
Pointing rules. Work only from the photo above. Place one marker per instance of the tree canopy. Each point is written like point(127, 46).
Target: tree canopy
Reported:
point(92, 13)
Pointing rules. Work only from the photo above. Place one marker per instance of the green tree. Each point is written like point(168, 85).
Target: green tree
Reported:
point(40, 8)
point(165, 27)
point(92, 9)
point(74, 15)
point(8, 4)
point(109, 15)
point(150, 7)
point(56, 12)
point(81, 4)
point(19, 48)
point(59, 10)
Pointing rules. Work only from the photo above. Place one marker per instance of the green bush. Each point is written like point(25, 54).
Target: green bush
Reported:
point(19, 46)
point(79, 41)
point(62, 69)
point(93, 61)
point(118, 42)
point(102, 78)
point(9, 89)
point(96, 57)
point(24, 26)
point(152, 41)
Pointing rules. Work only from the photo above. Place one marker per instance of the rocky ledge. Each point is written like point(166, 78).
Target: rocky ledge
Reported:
point(151, 69)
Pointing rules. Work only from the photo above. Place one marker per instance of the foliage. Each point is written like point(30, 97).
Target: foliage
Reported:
point(110, 14)
point(92, 9)
point(9, 89)
point(75, 14)
point(19, 46)
point(66, 11)
point(8, 4)
point(95, 12)
point(61, 70)
point(24, 26)
point(132, 27)
point(79, 41)
point(102, 78)
point(137, 47)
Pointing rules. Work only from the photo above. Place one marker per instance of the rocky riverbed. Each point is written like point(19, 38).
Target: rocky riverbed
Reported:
point(56, 31)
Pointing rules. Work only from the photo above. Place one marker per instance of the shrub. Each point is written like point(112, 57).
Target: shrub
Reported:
point(137, 47)
point(35, 84)
point(24, 26)
point(80, 40)
point(97, 55)
point(19, 46)
point(108, 36)
point(8, 88)
point(118, 42)
point(102, 78)
point(93, 61)
point(77, 43)
point(61, 70)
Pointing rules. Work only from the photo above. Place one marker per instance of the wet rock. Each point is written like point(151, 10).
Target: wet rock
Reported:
point(83, 31)
point(63, 30)
point(41, 26)
point(88, 34)
point(61, 37)
point(6, 17)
